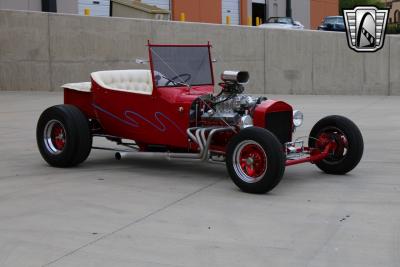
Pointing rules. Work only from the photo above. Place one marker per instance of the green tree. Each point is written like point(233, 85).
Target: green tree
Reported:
point(350, 4)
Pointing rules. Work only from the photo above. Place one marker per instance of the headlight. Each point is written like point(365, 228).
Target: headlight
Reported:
point(246, 121)
point(297, 118)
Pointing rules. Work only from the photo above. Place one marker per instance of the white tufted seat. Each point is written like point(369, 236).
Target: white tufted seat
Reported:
point(133, 81)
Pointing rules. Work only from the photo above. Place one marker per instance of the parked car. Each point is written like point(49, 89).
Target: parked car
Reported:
point(282, 23)
point(172, 110)
point(332, 23)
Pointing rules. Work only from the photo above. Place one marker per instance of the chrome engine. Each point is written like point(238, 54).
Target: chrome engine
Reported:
point(230, 106)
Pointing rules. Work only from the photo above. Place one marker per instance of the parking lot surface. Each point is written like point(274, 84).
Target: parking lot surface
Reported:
point(145, 211)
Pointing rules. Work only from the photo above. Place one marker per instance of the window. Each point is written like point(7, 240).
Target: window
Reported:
point(280, 20)
point(275, 9)
point(397, 16)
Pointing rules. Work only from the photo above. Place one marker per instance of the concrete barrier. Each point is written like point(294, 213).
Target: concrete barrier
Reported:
point(24, 51)
point(40, 51)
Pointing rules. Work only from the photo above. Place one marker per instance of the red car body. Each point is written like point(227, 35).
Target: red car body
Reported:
point(161, 118)
point(182, 117)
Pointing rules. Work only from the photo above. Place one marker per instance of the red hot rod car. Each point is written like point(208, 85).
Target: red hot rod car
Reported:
point(172, 109)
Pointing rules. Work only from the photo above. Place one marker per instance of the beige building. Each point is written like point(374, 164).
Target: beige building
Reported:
point(137, 9)
point(394, 15)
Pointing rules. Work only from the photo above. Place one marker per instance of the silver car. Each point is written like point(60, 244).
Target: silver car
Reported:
point(282, 23)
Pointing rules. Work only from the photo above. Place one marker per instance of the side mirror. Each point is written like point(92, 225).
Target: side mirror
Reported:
point(298, 24)
point(142, 61)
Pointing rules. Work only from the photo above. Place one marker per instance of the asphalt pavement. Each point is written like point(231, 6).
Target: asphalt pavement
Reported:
point(144, 211)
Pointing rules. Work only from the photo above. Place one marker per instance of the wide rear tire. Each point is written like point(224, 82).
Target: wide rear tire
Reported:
point(63, 136)
point(255, 160)
point(349, 141)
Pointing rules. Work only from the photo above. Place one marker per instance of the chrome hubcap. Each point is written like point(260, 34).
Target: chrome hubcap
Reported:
point(54, 137)
point(250, 161)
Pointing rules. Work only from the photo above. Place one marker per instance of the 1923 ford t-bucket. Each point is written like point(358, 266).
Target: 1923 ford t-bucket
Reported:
point(172, 109)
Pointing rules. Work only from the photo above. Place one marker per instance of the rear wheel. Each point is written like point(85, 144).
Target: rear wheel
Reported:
point(63, 136)
point(348, 139)
point(255, 160)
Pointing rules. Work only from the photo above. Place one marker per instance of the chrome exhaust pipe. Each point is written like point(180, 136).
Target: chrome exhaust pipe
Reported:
point(120, 155)
point(207, 145)
point(199, 137)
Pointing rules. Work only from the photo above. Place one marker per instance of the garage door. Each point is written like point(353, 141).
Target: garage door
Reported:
point(231, 8)
point(164, 4)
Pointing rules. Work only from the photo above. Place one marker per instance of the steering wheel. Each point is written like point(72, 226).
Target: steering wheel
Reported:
point(183, 78)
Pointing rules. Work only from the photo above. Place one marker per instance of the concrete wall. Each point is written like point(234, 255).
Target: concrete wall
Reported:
point(24, 51)
point(40, 51)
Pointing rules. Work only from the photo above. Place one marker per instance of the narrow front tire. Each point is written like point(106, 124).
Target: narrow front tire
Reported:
point(349, 144)
point(255, 160)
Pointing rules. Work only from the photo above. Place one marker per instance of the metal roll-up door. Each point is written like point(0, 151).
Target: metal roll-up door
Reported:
point(164, 4)
point(231, 8)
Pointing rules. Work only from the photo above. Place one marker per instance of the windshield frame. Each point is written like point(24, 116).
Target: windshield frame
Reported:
point(208, 46)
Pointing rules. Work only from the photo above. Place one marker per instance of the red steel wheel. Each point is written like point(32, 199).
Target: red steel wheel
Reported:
point(250, 161)
point(342, 145)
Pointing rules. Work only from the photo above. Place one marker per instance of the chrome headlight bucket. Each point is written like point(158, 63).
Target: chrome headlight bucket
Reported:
point(297, 118)
point(246, 121)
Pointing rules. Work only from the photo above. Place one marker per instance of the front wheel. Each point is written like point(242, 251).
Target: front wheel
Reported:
point(348, 139)
point(255, 160)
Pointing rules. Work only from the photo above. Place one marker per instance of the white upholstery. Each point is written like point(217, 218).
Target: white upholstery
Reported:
point(83, 87)
point(133, 81)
